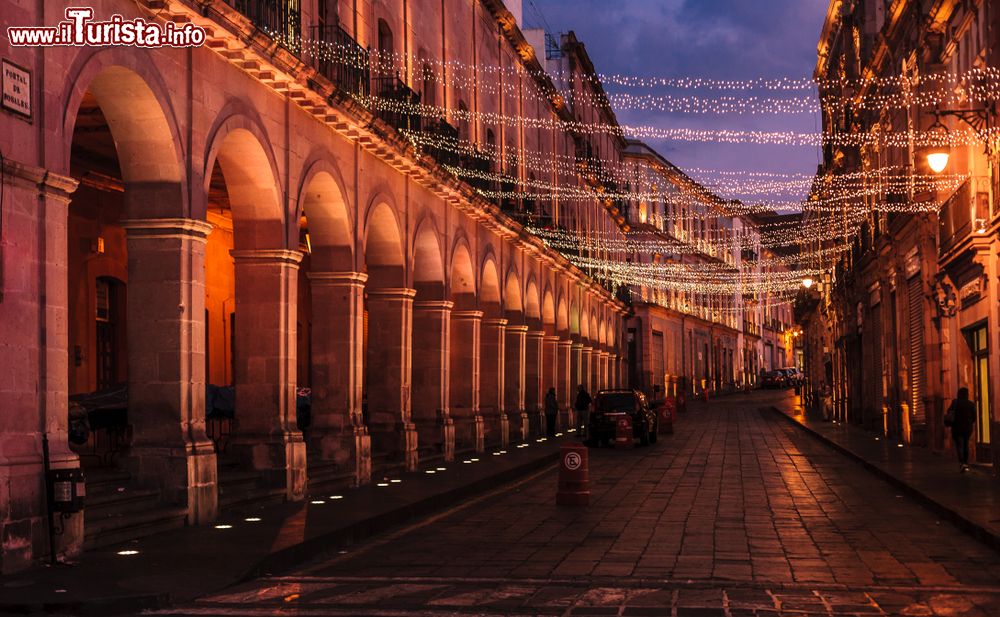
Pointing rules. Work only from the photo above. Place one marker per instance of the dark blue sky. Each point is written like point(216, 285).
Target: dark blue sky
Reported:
point(722, 39)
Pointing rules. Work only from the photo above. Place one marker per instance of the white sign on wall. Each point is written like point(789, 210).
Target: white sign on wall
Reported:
point(16, 89)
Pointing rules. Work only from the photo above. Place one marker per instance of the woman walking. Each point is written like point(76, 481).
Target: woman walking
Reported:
point(961, 417)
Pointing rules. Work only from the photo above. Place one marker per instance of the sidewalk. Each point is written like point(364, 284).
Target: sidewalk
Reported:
point(971, 500)
point(180, 565)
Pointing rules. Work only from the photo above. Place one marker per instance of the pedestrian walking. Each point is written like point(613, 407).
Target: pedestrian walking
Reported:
point(961, 417)
point(582, 407)
point(551, 411)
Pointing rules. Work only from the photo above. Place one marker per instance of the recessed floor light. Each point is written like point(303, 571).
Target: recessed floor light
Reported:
point(442, 469)
point(223, 526)
point(336, 496)
point(430, 471)
point(317, 502)
point(474, 460)
point(127, 553)
point(382, 484)
point(252, 519)
point(395, 481)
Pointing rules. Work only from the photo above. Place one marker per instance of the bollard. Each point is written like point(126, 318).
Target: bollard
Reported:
point(574, 476)
point(624, 435)
point(665, 425)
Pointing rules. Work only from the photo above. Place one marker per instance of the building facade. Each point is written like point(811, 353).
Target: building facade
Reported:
point(258, 267)
point(684, 335)
point(907, 312)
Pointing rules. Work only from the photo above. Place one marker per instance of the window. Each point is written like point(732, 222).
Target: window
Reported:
point(979, 344)
point(386, 50)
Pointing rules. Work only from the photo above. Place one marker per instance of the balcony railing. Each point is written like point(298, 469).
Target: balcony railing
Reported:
point(449, 135)
point(341, 60)
point(393, 90)
point(278, 18)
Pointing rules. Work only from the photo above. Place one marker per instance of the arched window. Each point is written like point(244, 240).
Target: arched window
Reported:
point(386, 49)
point(428, 97)
point(491, 146)
point(463, 121)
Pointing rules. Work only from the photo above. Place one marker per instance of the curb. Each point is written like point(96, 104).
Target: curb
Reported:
point(293, 556)
point(115, 605)
point(971, 527)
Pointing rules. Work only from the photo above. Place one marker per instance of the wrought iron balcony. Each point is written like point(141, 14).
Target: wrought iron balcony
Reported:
point(392, 90)
point(449, 135)
point(340, 59)
point(278, 18)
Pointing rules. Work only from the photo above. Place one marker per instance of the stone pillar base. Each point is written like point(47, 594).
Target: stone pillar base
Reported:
point(525, 425)
point(186, 475)
point(281, 459)
point(349, 449)
point(398, 440)
point(480, 433)
point(504, 431)
point(439, 434)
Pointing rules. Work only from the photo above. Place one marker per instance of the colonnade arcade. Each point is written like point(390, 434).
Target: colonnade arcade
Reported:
point(348, 331)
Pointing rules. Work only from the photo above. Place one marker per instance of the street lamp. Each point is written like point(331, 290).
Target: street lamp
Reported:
point(980, 119)
point(938, 153)
point(807, 283)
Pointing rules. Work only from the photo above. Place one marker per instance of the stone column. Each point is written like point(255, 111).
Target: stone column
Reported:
point(431, 360)
point(586, 370)
point(267, 437)
point(550, 368)
point(464, 403)
point(390, 332)
point(595, 368)
point(576, 371)
point(166, 363)
point(338, 432)
point(605, 369)
point(514, 371)
point(563, 391)
point(534, 365)
point(491, 381)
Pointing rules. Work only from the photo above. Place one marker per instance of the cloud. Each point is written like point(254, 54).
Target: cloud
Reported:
point(721, 39)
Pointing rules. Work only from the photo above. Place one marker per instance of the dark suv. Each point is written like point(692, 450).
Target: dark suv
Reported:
point(610, 405)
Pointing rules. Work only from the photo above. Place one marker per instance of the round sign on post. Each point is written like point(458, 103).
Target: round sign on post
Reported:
point(574, 477)
point(572, 461)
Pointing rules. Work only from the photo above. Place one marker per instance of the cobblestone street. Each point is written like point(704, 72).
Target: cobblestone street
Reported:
point(738, 513)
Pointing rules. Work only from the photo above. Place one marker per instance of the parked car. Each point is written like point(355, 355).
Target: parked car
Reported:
point(793, 377)
point(773, 379)
point(610, 405)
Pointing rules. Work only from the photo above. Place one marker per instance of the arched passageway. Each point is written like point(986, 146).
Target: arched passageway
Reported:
point(133, 260)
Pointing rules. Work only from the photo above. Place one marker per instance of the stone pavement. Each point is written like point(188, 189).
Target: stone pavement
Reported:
point(181, 565)
point(738, 513)
point(970, 500)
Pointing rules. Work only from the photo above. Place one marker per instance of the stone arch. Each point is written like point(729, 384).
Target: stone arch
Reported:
point(602, 337)
point(562, 318)
point(251, 178)
point(323, 206)
point(489, 288)
point(135, 101)
point(548, 313)
point(532, 306)
point(593, 328)
point(584, 325)
point(428, 262)
point(513, 300)
point(574, 319)
point(383, 247)
point(462, 277)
